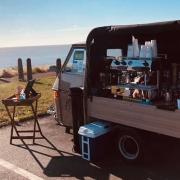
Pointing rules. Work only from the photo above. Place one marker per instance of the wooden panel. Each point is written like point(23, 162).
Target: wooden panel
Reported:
point(146, 117)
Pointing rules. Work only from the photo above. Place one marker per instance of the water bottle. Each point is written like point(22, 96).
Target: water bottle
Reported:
point(22, 95)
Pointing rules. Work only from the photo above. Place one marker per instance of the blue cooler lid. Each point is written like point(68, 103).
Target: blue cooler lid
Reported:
point(95, 129)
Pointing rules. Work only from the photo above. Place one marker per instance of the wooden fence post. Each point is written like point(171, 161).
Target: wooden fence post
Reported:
point(20, 70)
point(29, 69)
point(58, 66)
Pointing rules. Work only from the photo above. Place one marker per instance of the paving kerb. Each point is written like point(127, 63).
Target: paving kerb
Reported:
point(7, 174)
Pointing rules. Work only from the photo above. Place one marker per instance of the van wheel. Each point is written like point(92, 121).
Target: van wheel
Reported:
point(130, 146)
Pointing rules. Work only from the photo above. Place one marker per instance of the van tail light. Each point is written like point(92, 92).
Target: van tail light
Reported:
point(56, 94)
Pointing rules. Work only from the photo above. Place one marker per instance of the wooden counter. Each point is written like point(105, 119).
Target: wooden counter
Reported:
point(141, 116)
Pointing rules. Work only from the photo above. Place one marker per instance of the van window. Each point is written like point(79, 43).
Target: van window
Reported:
point(76, 63)
point(116, 53)
point(79, 55)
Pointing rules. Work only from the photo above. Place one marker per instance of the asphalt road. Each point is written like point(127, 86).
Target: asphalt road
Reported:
point(53, 158)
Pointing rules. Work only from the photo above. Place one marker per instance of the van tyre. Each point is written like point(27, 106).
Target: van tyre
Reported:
point(130, 146)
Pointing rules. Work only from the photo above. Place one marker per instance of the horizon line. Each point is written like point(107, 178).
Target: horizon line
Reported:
point(20, 46)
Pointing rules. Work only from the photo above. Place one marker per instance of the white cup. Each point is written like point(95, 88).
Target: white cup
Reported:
point(130, 52)
point(135, 48)
point(143, 51)
point(154, 48)
point(148, 49)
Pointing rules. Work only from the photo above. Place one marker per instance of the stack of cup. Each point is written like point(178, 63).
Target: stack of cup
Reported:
point(148, 49)
point(154, 48)
point(143, 51)
point(135, 47)
point(133, 50)
point(130, 53)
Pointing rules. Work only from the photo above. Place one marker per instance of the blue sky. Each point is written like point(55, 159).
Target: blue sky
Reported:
point(43, 22)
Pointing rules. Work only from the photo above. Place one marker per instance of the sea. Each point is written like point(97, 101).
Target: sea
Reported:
point(40, 55)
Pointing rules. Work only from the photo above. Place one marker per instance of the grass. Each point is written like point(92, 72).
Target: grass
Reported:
point(43, 86)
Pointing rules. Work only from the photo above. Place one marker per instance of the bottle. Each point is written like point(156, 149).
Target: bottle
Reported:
point(22, 95)
point(168, 96)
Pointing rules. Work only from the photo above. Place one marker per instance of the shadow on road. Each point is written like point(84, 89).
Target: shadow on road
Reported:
point(74, 166)
point(162, 162)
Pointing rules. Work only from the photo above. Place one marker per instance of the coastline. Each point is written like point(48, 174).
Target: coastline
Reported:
point(11, 72)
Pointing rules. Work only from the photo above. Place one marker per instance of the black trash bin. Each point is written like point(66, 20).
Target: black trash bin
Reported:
point(77, 114)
